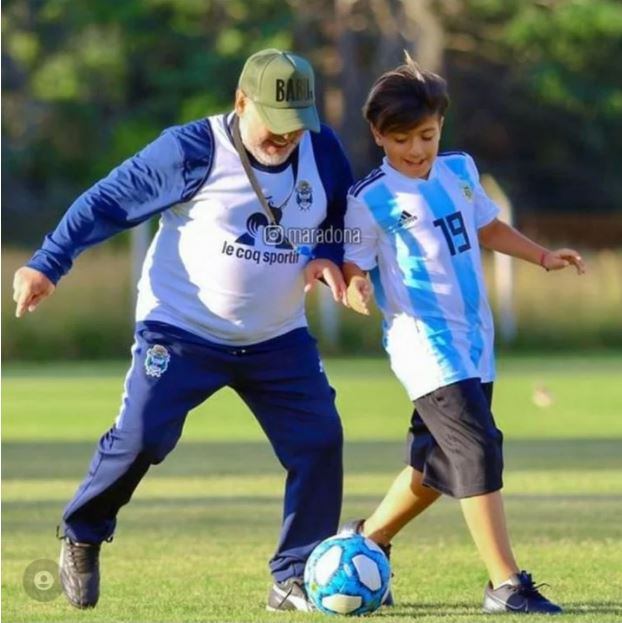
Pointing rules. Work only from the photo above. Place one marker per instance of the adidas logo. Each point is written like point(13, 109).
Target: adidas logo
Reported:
point(405, 219)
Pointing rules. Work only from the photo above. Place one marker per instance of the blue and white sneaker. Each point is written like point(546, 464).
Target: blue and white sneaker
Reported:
point(518, 595)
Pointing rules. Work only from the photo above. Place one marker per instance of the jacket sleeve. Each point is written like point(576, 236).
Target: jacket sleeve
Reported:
point(146, 184)
point(336, 176)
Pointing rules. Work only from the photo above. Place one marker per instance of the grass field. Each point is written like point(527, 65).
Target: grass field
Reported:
point(194, 542)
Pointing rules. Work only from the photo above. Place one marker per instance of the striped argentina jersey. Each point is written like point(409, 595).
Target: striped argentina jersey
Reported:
point(419, 242)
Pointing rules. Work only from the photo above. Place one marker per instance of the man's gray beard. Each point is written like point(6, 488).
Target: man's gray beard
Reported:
point(261, 156)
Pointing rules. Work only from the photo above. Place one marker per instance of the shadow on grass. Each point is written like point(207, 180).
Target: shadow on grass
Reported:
point(412, 609)
point(608, 607)
point(57, 460)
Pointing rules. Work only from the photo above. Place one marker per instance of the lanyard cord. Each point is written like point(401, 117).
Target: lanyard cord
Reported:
point(252, 178)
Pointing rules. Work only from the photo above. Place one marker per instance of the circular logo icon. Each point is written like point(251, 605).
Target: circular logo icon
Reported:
point(41, 580)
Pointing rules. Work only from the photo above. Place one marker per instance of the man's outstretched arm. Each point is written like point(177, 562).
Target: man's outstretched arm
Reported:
point(169, 170)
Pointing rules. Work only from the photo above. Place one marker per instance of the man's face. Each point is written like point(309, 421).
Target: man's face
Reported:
point(412, 152)
point(267, 148)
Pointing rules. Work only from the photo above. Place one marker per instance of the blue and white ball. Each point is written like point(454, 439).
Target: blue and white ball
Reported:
point(347, 575)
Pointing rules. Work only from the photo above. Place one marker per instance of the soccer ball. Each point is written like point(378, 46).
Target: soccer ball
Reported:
point(347, 575)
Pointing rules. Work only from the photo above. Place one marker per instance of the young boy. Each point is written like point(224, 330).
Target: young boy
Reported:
point(422, 216)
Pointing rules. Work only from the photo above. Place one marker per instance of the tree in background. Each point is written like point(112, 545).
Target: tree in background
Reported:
point(537, 94)
point(534, 88)
point(86, 84)
point(538, 97)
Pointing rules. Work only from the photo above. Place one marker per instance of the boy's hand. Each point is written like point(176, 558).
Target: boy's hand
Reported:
point(561, 258)
point(359, 294)
point(30, 287)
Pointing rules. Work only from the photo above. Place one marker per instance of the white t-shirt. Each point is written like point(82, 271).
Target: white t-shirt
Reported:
point(209, 269)
point(419, 243)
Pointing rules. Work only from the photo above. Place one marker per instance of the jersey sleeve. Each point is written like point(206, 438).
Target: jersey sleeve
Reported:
point(361, 246)
point(153, 180)
point(486, 210)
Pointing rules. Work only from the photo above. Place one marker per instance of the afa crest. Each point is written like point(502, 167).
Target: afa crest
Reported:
point(304, 195)
point(156, 361)
point(467, 191)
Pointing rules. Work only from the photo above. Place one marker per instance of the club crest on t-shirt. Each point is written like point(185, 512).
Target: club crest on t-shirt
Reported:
point(304, 195)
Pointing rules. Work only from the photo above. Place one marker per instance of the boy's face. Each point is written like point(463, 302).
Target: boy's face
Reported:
point(412, 152)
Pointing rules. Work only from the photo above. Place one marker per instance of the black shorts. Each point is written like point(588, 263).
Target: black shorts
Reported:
point(454, 442)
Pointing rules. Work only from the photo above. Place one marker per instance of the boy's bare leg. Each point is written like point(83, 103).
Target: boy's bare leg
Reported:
point(406, 498)
point(485, 517)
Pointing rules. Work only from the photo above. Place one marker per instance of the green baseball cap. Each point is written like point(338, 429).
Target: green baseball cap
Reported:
point(282, 87)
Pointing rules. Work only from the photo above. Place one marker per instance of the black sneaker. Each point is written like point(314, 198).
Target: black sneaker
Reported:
point(520, 595)
point(356, 527)
point(79, 572)
point(289, 595)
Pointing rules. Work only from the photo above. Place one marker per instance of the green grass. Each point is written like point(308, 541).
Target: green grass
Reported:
point(193, 543)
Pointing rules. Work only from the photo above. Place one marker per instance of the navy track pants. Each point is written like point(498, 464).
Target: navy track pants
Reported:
point(172, 372)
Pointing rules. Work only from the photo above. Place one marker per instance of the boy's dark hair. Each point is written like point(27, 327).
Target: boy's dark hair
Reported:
point(401, 98)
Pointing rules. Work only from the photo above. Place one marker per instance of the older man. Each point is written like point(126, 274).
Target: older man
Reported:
point(220, 303)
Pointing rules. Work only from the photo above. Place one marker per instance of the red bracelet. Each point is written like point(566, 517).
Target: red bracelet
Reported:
point(544, 254)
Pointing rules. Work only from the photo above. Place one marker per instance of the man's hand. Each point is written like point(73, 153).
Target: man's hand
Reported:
point(30, 287)
point(317, 269)
point(359, 294)
point(561, 258)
